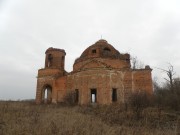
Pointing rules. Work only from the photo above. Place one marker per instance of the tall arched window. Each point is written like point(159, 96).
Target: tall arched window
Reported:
point(47, 94)
point(106, 51)
point(49, 60)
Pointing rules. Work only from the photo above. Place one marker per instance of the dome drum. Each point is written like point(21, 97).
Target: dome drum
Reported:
point(101, 49)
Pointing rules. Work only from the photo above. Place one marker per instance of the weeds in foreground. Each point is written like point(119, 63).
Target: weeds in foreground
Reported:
point(27, 118)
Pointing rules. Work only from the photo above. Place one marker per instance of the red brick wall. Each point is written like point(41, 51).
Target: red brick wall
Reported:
point(42, 82)
point(58, 58)
point(60, 88)
point(104, 80)
point(49, 72)
point(142, 80)
point(113, 63)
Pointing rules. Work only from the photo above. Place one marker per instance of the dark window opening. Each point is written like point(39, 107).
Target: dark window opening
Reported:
point(106, 52)
point(62, 62)
point(94, 51)
point(127, 59)
point(76, 95)
point(107, 49)
point(114, 95)
point(93, 95)
point(49, 60)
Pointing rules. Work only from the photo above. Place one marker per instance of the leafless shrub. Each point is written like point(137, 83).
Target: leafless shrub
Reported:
point(166, 98)
point(138, 101)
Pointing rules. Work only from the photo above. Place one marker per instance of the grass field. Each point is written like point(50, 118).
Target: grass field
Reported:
point(26, 118)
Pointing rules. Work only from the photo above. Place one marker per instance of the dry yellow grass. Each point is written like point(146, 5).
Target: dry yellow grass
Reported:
point(26, 118)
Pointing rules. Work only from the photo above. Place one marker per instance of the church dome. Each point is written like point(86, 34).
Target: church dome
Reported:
point(101, 49)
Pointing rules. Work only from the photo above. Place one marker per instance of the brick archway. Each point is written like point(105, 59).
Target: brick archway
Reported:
point(47, 94)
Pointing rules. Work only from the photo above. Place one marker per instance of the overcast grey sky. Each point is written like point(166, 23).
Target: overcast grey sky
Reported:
point(148, 29)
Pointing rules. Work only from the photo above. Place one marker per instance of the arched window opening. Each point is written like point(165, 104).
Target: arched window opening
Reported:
point(62, 58)
point(106, 52)
point(107, 49)
point(62, 62)
point(47, 94)
point(49, 60)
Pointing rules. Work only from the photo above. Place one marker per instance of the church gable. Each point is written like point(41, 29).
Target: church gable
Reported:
point(94, 64)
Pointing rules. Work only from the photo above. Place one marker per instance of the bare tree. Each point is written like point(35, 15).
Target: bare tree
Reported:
point(176, 84)
point(156, 85)
point(139, 100)
point(170, 73)
point(136, 63)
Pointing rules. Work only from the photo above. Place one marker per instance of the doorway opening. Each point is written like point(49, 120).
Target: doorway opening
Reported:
point(93, 95)
point(76, 95)
point(47, 95)
point(114, 95)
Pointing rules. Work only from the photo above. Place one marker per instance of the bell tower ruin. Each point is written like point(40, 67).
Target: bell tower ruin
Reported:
point(55, 58)
point(54, 66)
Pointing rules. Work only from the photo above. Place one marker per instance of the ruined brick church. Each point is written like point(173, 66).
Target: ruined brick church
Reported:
point(100, 75)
